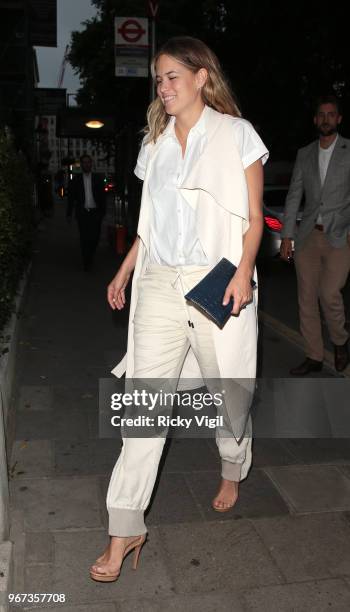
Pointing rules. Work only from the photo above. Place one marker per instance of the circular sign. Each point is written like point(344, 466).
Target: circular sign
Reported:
point(131, 30)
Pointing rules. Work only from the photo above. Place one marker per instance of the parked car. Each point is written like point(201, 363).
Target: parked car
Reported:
point(273, 210)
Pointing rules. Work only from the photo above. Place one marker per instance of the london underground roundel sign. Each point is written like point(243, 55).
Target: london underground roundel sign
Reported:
point(131, 30)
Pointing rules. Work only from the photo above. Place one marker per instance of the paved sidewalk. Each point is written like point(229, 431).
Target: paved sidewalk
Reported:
point(284, 547)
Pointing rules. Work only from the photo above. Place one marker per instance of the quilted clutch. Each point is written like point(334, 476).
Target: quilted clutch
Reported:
point(208, 294)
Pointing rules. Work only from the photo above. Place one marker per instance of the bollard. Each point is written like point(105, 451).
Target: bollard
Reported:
point(120, 239)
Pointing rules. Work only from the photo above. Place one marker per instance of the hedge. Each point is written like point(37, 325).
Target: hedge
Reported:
point(16, 222)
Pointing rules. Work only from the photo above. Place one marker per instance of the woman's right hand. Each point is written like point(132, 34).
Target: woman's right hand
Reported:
point(116, 289)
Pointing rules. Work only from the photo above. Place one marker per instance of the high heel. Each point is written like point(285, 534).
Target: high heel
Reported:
point(136, 546)
point(137, 551)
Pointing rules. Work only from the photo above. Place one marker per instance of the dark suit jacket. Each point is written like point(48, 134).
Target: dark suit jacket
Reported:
point(76, 195)
point(332, 200)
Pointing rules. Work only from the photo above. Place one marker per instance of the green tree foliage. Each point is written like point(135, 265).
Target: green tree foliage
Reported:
point(16, 222)
point(278, 56)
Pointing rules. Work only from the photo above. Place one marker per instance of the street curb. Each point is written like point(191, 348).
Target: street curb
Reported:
point(7, 372)
point(6, 566)
point(296, 338)
point(10, 332)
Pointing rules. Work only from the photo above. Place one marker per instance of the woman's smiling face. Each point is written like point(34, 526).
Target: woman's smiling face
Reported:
point(178, 87)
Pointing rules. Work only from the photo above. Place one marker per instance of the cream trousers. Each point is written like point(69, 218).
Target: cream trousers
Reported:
point(165, 326)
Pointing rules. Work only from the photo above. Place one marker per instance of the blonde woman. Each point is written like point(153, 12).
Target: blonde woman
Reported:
point(201, 164)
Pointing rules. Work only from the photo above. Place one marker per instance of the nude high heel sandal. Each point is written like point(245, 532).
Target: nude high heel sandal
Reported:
point(136, 546)
point(218, 509)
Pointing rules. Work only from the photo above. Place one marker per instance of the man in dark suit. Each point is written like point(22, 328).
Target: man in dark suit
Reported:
point(86, 195)
point(322, 247)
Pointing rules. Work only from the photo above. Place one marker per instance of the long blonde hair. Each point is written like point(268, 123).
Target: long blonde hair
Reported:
point(216, 92)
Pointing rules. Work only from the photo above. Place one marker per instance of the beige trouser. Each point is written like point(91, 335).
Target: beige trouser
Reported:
point(162, 337)
point(322, 271)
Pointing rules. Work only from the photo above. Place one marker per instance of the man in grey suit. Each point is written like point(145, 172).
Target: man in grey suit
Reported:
point(322, 247)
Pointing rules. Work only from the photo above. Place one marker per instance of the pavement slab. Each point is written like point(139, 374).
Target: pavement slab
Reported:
point(190, 455)
point(269, 451)
point(39, 547)
point(316, 596)
point(225, 602)
point(93, 424)
point(103, 483)
point(319, 450)
point(166, 506)
point(102, 446)
point(39, 579)
point(297, 408)
point(76, 551)
point(345, 470)
point(74, 398)
point(220, 557)
point(100, 607)
point(31, 458)
point(54, 353)
point(257, 496)
point(273, 360)
point(307, 547)
point(58, 371)
point(33, 397)
point(77, 457)
point(312, 488)
point(49, 503)
point(52, 425)
point(17, 536)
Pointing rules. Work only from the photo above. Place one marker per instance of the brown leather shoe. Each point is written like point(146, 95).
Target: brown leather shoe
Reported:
point(309, 365)
point(341, 356)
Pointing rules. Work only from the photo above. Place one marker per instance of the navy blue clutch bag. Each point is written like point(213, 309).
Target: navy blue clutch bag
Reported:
point(208, 294)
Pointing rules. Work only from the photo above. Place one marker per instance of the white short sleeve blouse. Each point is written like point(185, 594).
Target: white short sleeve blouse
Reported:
point(173, 235)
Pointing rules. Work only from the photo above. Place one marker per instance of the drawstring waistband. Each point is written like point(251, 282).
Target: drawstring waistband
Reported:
point(180, 276)
point(175, 281)
point(183, 292)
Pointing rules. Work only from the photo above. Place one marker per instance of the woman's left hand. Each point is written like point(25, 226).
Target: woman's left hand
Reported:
point(240, 289)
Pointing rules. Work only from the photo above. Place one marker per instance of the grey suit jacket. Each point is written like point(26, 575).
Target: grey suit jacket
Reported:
point(332, 200)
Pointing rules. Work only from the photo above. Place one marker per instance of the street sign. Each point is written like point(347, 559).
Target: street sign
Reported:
point(153, 8)
point(131, 46)
point(131, 31)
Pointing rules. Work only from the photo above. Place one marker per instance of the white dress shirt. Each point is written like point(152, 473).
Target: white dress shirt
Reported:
point(89, 198)
point(324, 157)
point(173, 235)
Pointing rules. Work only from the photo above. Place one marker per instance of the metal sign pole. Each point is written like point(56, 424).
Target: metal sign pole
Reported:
point(153, 52)
point(153, 9)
